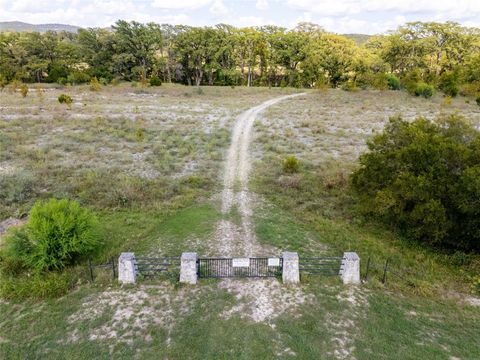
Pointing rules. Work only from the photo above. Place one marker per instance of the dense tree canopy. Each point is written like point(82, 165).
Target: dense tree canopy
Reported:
point(444, 55)
point(424, 178)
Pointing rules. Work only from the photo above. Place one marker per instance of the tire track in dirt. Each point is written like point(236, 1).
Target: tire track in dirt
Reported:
point(240, 239)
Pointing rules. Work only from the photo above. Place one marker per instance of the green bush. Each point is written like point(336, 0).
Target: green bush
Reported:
point(58, 233)
point(78, 77)
point(155, 81)
point(478, 100)
point(291, 164)
point(449, 83)
point(424, 90)
point(411, 80)
point(424, 179)
point(65, 99)
point(393, 82)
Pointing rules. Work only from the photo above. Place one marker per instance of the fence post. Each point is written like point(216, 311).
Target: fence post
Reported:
point(113, 268)
point(290, 270)
point(91, 270)
point(350, 268)
point(384, 278)
point(188, 268)
point(368, 267)
point(127, 272)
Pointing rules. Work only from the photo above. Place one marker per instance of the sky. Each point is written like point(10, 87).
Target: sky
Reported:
point(340, 16)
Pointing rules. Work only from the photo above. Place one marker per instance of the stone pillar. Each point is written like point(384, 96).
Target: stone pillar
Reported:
point(127, 269)
point(290, 271)
point(350, 269)
point(188, 268)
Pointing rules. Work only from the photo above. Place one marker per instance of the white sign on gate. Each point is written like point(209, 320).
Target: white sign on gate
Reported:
point(240, 262)
point(273, 262)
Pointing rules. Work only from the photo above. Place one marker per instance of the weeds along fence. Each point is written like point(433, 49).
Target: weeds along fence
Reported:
point(387, 270)
point(109, 268)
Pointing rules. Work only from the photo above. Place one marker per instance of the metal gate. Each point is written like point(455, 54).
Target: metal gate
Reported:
point(321, 265)
point(150, 267)
point(239, 267)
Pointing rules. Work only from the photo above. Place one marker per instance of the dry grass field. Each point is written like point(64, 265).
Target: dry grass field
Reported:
point(151, 163)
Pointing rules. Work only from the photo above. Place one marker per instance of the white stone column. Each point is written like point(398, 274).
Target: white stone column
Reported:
point(188, 268)
point(127, 272)
point(290, 271)
point(350, 269)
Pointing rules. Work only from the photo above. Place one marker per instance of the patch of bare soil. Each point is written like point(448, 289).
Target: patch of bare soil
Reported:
point(262, 300)
point(131, 312)
point(10, 222)
point(354, 306)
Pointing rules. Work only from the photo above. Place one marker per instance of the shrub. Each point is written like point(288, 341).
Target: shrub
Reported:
point(424, 90)
point(393, 82)
point(65, 99)
point(24, 90)
point(58, 234)
point(411, 80)
point(155, 81)
point(78, 77)
point(95, 84)
point(449, 83)
point(424, 179)
point(291, 164)
point(478, 100)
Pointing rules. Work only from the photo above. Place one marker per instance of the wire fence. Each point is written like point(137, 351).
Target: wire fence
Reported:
point(94, 269)
point(386, 270)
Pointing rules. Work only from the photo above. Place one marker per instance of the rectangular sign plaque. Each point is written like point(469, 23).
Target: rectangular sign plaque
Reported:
point(241, 262)
point(273, 262)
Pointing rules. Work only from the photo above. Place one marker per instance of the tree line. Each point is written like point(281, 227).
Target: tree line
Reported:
point(416, 56)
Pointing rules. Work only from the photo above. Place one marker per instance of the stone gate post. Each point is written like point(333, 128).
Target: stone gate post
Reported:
point(188, 268)
point(350, 269)
point(127, 271)
point(290, 271)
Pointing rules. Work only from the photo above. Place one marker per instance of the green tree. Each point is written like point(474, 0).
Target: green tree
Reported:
point(422, 178)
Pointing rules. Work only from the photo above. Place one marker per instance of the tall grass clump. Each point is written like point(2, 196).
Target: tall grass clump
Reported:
point(291, 164)
point(95, 84)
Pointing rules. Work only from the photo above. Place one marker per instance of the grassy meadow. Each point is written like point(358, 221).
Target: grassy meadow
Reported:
point(149, 162)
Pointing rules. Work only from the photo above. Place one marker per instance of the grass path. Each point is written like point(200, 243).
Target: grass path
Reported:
point(240, 240)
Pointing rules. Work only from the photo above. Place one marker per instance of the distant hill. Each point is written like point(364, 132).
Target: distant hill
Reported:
point(21, 26)
point(358, 38)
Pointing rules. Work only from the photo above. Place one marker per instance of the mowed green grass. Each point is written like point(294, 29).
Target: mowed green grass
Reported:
point(161, 320)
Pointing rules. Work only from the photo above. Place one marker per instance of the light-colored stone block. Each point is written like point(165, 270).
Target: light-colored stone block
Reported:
point(188, 268)
point(350, 269)
point(127, 270)
point(290, 271)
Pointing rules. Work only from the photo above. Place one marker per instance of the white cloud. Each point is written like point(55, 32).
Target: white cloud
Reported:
point(364, 16)
point(261, 5)
point(349, 7)
point(180, 4)
point(218, 8)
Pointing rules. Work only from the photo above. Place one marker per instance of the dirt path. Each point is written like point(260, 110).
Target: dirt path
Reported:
point(239, 239)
